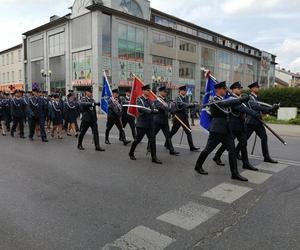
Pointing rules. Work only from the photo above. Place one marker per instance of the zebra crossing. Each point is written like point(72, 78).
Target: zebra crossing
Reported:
point(191, 215)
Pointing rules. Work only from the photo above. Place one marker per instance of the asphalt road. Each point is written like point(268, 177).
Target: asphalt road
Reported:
point(53, 196)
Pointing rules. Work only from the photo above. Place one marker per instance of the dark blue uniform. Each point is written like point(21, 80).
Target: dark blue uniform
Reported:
point(18, 108)
point(238, 128)
point(182, 107)
point(114, 117)
point(145, 126)
point(220, 132)
point(89, 120)
point(126, 118)
point(161, 121)
point(56, 113)
point(37, 116)
point(254, 125)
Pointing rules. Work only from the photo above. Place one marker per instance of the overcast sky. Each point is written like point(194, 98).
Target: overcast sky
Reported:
point(271, 25)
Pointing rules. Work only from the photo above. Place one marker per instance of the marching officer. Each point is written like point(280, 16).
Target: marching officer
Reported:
point(161, 120)
point(237, 125)
point(182, 107)
point(126, 118)
point(145, 124)
point(114, 117)
point(37, 114)
point(6, 110)
point(18, 107)
point(89, 119)
point(220, 132)
point(254, 125)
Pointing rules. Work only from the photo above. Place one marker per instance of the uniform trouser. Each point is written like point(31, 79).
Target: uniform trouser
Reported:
point(111, 121)
point(213, 141)
point(175, 128)
point(131, 121)
point(32, 125)
point(241, 136)
point(141, 132)
point(262, 134)
point(165, 128)
point(18, 121)
point(84, 128)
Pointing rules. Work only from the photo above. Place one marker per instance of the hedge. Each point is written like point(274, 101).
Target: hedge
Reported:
point(287, 97)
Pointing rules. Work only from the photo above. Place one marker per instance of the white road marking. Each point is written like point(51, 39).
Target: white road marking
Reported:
point(141, 238)
point(189, 216)
point(256, 177)
point(272, 167)
point(226, 192)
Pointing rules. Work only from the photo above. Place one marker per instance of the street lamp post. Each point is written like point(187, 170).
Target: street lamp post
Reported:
point(47, 76)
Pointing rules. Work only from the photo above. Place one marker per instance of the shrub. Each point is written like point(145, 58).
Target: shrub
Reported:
point(287, 97)
point(295, 121)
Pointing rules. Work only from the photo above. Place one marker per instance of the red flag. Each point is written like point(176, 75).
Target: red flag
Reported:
point(135, 93)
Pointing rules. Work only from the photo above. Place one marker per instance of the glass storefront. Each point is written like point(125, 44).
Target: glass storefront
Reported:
point(130, 53)
point(224, 66)
point(82, 68)
point(37, 81)
point(58, 78)
point(163, 39)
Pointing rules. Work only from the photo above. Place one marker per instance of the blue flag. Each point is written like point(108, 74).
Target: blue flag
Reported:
point(210, 92)
point(106, 95)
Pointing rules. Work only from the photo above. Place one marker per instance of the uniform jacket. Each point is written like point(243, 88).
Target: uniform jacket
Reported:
point(258, 109)
point(182, 107)
point(114, 109)
point(220, 113)
point(88, 109)
point(18, 107)
point(145, 119)
point(163, 108)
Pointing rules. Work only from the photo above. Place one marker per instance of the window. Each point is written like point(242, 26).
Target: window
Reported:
point(3, 60)
point(205, 36)
point(131, 43)
point(224, 66)
point(130, 52)
point(19, 56)
point(185, 46)
point(164, 22)
point(162, 39)
point(57, 44)
point(37, 49)
point(106, 35)
point(208, 58)
point(12, 57)
point(7, 59)
point(131, 7)
point(82, 68)
point(186, 70)
point(8, 78)
point(3, 78)
point(13, 76)
point(20, 75)
point(162, 69)
point(36, 78)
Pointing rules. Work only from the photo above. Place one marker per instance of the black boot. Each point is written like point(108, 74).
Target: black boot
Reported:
point(248, 166)
point(107, 138)
point(201, 159)
point(270, 160)
point(218, 161)
point(98, 148)
point(80, 147)
point(132, 149)
point(173, 152)
point(237, 176)
point(191, 143)
point(156, 161)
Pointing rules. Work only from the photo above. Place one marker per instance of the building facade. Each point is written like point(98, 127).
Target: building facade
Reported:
point(12, 69)
point(128, 37)
point(286, 78)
